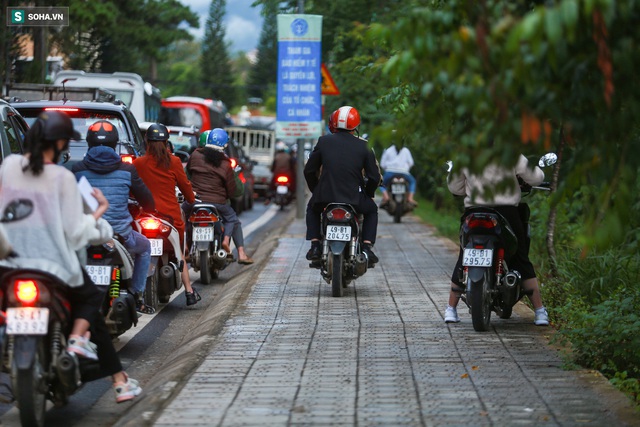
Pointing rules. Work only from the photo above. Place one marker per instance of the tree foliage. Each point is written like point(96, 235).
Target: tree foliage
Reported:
point(264, 73)
point(492, 79)
point(214, 62)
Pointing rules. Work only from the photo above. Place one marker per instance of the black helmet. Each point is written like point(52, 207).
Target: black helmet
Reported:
point(102, 132)
point(157, 132)
point(57, 125)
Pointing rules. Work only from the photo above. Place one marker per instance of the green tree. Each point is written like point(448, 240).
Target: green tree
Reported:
point(264, 73)
point(214, 62)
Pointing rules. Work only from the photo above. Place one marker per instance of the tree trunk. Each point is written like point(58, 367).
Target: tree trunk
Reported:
point(551, 221)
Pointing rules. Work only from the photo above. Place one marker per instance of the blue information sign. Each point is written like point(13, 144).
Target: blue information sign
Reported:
point(299, 107)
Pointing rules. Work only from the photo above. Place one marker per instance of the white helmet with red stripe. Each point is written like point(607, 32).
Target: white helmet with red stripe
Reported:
point(347, 118)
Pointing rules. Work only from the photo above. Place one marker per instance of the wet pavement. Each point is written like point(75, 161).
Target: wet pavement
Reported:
point(278, 349)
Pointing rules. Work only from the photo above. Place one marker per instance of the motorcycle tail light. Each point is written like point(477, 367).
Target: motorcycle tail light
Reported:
point(96, 256)
point(473, 222)
point(127, 158)
point(152, 227)
point(338, 214)
point(282, 179)
point(26, 291)
point(203, 216)
point(242, 178)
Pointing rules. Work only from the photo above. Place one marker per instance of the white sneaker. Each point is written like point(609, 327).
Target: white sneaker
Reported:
point(542, 317)
point(451, 315)
point(127, 391)
point(82, 347)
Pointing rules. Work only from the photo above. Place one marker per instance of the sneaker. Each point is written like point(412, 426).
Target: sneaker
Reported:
point(127, 390)
point(315, 253)
point(542, 317)
point(82, 347)
point(451, 315)
point(368, 249)
point(192, 297)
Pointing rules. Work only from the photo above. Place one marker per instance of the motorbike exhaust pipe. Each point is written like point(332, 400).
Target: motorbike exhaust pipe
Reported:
point(512, 278)
point(360, 265)
point(220, 258)
point(68, 368)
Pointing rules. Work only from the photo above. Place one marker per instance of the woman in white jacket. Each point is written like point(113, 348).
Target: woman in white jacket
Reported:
point(57, 229)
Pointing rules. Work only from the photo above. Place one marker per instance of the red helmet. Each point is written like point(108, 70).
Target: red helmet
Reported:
point(333, 122)
point(346, 118)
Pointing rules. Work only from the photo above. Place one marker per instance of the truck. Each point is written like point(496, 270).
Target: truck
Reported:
point(259, 144)
point(142, 98)
point(47, 92)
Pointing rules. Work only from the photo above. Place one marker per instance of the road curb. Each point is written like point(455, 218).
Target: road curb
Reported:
point(178, 367)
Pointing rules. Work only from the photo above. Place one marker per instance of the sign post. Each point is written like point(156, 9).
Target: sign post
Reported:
point(299, 107)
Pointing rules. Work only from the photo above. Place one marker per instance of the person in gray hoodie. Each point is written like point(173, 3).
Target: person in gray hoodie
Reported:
point(104, 169)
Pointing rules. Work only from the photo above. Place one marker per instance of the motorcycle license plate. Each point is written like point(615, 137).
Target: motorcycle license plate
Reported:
point(100, 274)
point(282, 189)
point(156, 247)
point(477, 258)
point(27, 320)
point(397, 189)
point(202, 234)
point(338, 232)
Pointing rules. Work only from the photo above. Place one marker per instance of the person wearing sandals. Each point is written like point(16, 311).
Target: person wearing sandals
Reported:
point(57, 229)
point(213, 179)
point(104, 169)
point(161, 171)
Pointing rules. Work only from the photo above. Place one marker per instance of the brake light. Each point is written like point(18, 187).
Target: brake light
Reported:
point(26, 291)
point(152, 227)
point(66, 109)
point(282, 179)
point(203, 216)
point(473, 222)
point(150, 224)
point(234, 163)
point(127, 158)
point(242, 178)
point(338, 214)
point(96, 256)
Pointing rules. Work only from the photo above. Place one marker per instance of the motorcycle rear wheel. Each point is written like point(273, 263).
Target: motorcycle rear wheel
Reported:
point(480, 302)
point(336, 275)
point(151, 291)
point(205, 273)
point(29, 395)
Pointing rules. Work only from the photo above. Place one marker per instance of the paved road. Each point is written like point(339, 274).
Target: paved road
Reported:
point(279, 350)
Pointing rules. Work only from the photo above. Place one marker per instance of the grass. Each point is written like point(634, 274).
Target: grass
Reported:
point(446, 224)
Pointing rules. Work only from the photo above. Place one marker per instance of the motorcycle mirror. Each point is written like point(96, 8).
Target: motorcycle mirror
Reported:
point(548, 160)
point(17, 210)
point(449, 164)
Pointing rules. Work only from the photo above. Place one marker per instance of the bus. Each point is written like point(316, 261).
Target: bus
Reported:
point(142, 98)
point(190, 111)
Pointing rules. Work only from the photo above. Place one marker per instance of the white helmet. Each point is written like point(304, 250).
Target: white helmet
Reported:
point(281, 146)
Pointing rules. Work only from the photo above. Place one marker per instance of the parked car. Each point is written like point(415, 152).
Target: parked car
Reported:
point(84, 114)
point(13, 131)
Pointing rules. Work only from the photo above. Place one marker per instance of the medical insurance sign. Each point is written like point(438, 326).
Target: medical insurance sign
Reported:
point(299, 106)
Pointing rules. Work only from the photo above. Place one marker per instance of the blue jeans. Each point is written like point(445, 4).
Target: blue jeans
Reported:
point(140, 248)
point(388, 175)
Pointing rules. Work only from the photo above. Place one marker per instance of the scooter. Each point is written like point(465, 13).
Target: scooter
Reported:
point(34, 326)
point(399, 201)
point(207, 255)
point(284, 193)
point(342, 257)
point(110, 267)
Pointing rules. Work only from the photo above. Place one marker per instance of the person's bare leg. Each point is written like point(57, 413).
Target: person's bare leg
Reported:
point(535, 298)
point(186, 280)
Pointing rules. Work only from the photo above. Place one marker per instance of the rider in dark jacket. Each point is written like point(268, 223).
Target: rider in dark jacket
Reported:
point(104, 169)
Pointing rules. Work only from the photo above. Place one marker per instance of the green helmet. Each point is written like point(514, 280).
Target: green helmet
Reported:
point(203, 138)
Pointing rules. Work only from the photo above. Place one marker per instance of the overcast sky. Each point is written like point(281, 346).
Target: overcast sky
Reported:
point(243, 23)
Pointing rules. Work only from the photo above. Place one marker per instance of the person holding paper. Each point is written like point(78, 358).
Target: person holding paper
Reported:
point(56, 230)
point(103, 168)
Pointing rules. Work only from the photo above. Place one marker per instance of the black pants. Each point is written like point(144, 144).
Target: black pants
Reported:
point(366, 207)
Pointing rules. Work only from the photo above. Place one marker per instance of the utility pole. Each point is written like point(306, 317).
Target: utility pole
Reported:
point(300, 181)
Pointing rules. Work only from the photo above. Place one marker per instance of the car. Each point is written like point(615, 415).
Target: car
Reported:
point(84, 114)
point(263, 176)
point(13, 131)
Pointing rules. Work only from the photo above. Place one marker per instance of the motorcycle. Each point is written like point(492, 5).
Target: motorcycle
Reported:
point(284, 192)
point(34, 326)
point(399, 201)
point(342, 257)
point(166, 259)
point(487, 241)
point(207, 255)
point(110, 267)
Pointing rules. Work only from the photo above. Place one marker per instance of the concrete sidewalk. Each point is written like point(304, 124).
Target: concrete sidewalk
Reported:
point(279, 350)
